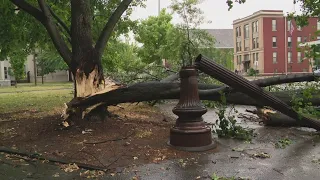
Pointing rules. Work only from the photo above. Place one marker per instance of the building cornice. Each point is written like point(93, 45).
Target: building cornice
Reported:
point(264, 13)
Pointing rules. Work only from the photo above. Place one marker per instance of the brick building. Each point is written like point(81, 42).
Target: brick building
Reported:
point(267, 42)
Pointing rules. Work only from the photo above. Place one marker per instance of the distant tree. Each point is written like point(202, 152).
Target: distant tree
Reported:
point(152, 33)
point(17, 61)
point(49, 62)
point(189, 39)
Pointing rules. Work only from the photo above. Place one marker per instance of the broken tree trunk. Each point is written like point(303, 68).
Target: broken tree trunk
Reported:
point(275, 118)
point(243, 85)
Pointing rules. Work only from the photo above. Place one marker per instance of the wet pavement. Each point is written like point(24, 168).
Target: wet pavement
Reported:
point(298, 158)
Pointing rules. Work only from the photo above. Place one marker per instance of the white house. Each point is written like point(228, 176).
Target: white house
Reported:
point(30, 71)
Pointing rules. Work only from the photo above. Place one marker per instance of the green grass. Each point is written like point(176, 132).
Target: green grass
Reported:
point(32, 87)
point(24, 101)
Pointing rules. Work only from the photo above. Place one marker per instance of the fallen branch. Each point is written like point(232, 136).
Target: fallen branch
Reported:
point(81, 151)
point(37, 156)
point(109, 140)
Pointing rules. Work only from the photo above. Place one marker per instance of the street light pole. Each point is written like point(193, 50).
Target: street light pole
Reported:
point(158, 7)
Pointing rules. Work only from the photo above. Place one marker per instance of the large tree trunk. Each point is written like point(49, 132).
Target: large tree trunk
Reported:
point(86, 64)
point(88, 84)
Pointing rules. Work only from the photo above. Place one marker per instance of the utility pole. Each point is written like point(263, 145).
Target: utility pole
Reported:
point(159, 8)
point(35, 68)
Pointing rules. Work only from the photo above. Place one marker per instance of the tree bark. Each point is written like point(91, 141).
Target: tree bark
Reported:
point(86, 67)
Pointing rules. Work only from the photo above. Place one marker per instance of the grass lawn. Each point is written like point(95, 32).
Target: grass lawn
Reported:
point(30, 100)
point(32, 87)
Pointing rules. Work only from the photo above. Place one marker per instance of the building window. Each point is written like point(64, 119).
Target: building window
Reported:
point(6, 73)
point(289, 41)
point(299, 28)
point(257, 56)
point(289, 57)
point(246, 31)
point(253, 27)
point(275, 70)
point(305, 39)
point(257, 26)
point(289, 25)
point(246, 57)
point(299, 57)
point(237, 32)
point(240, 59)
point(238, 46)
point(274, 25)
point(257, 42)
point(290, 69)
point(274, 58)
point(274, 41)
point(299, 39)
point(253, 57)
point(318, 25)
point(253, 43)
point(318, 37)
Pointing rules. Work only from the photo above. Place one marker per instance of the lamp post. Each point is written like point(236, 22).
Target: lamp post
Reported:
point(159, 8)
point(35, 68)
point(190, 132)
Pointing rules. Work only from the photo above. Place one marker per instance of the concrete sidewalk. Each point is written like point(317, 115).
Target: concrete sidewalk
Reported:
point(300, 159)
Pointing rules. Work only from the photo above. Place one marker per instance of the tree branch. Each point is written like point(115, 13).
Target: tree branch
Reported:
point(61, 23)
point(54, 34)
point(108, 28)
point(33, 11)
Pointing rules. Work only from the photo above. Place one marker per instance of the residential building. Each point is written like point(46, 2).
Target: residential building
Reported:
point(267, 41)
point(6, 78)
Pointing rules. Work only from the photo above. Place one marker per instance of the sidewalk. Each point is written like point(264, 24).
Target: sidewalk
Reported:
point(300, 159)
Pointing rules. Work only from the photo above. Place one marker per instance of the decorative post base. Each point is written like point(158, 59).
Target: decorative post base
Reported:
point(190, 132)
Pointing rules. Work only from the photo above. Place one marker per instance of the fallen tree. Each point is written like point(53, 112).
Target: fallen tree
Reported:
point(154, 90)
point(149, 91)
point(241, 84)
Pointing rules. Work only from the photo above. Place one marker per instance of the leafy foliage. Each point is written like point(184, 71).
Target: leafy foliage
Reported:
point(190, 39)
point(17, 60)
point(226, 125)
point(153, 34)
point(49, 62)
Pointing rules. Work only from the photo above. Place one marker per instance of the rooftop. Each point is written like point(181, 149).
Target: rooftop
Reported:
point(223, 37)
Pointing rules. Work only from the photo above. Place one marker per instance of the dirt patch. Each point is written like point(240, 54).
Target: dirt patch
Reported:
point(138, 135)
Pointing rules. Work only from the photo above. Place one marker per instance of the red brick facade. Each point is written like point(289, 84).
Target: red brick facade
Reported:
point(281, 56)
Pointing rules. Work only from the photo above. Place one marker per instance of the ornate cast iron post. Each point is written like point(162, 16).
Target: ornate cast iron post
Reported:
point(190, 132)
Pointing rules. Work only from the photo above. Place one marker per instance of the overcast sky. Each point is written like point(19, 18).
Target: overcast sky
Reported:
point(217, 10)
